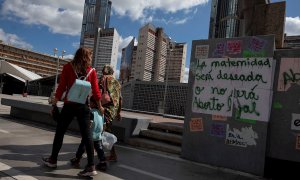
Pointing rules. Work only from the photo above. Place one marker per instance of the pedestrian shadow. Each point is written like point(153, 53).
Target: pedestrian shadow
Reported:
point(29, 160)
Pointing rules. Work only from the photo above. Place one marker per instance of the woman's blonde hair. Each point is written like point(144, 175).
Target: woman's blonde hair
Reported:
point(107, 70)
point(82, 60)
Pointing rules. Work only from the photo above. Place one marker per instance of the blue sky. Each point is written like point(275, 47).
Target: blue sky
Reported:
point(42, 25)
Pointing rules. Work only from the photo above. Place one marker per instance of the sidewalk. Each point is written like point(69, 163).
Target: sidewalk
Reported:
point(22, 145)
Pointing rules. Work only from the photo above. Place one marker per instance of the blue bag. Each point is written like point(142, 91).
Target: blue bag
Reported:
point(80, 89)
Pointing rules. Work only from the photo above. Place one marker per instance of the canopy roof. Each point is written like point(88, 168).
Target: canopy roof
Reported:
point(12, 69)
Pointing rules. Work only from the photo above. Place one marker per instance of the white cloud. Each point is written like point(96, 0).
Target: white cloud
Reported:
point(292, 26)
point(123, 43)
point(14, 40)
point(181, 21)
point(135, 42)
point(186, 75)
point(64, 17)
point(69, 56)
point(117, 74)
point(75, 45)
point(139, 10)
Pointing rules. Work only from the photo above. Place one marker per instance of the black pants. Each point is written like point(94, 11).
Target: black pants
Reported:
point(97, 146)
point(82, 113)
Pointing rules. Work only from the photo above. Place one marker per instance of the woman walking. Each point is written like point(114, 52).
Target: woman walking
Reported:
point(79, 67)
point(112, 108)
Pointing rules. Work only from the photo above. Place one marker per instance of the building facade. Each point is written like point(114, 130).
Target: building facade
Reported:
point(260, 17)
point(133, 63)
point(238, 18)
point(151, 54)
point(106, 51)
point(96, 14)
point(41, 64)
point(126, 61)
point(224, 19)
point(176, 61)
point(292, 41)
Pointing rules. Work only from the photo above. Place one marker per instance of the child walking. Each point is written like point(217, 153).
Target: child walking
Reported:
point(97, 130)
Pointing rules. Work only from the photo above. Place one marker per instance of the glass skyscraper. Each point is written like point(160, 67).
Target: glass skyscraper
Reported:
point(126, 61)
point(96, 15)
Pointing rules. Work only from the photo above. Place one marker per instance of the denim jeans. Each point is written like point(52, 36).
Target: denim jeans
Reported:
point(97, 146)
point(82, 113)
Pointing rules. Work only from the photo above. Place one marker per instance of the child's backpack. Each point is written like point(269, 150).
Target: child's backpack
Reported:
point(80, 89)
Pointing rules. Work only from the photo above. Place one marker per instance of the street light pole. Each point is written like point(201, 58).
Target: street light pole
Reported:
point(56, 76)
point(57, 65)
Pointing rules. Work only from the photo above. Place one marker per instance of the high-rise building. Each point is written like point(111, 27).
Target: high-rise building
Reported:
point(126, 61)
point(106, 51)
point(151, 54)
point(133, 63)
point(176, 60)
point(96, 15)
point(238, 18)
point(224, 19)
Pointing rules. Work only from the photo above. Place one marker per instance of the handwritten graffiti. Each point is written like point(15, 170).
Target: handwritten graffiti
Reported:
point(290, 77)
point(295, 125)
point(243, 138)
point(234, 47)
point(221, 84)
point(289, 73)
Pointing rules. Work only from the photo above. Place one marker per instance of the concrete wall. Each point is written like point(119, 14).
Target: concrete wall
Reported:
point(226, 121)
point(39, 111)
point(284, 129)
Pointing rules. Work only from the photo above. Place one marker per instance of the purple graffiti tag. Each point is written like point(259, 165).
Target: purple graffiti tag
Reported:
point(220, 49)
point(218, 129)
point(234, 47)
point(257, 44)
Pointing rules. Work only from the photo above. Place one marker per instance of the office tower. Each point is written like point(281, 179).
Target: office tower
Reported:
point(106, 51)
point(176, 60)
point(96, 15)
point(151, 54)
point(224, 19)
point(133, 63)
point(238, 18)
point(126, 61)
